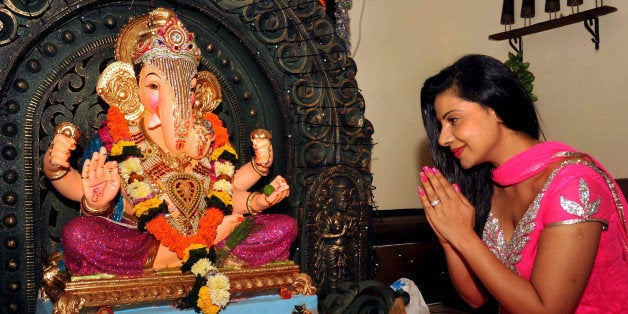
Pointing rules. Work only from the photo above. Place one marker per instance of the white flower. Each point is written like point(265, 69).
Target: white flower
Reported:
point(202, 267)
point(139, 190)
point(130, 166)
point(223, 185)
point(219, 289)
point(220, 297)
point(225, 167)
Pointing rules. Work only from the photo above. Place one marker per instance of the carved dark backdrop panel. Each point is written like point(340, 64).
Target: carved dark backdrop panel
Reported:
point(337, 223)
point(280, 66)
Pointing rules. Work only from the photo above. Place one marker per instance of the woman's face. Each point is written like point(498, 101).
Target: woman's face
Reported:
point(472, 132)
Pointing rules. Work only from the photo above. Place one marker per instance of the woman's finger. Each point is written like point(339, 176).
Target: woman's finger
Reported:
point(63, 143)
point(423, 197)
point(445, 189)
point(110, 170)
point(431, 198)
point(433, 226)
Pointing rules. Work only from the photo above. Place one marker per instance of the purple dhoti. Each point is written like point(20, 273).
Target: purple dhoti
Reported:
point(271, 242)
point(94, 245)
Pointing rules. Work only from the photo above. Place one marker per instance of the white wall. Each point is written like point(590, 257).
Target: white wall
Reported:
point(397, 44)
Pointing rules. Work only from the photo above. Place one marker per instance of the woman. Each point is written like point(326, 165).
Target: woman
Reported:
point(536, 225)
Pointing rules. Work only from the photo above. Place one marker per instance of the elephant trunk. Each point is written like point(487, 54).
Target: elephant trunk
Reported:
point(176, 118)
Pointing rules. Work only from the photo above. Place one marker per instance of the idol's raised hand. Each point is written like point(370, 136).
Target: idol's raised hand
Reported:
point(101, 183)
point(263, 148)
point(59, 153)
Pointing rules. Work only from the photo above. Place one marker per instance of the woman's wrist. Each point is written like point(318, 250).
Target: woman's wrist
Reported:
point(50, 170)
point(256, 202)
point(462, 243)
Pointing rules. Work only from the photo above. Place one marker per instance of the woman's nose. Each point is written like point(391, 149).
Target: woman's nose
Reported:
point(445, 138)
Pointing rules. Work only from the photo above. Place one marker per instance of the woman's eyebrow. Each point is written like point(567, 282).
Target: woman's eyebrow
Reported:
point(446, 113)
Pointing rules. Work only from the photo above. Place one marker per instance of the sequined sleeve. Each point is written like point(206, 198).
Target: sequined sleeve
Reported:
point(578, 193)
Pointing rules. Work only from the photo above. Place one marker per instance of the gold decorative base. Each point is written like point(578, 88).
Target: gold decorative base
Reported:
point(162, 287)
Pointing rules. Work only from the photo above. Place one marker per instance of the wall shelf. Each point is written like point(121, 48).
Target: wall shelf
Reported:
point(590, 18)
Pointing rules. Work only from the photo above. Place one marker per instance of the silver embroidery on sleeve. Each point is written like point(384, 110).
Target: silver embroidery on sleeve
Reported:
point(584, 209)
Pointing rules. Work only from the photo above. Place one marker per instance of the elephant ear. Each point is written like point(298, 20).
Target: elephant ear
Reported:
point(207, 94)
point(117, 86)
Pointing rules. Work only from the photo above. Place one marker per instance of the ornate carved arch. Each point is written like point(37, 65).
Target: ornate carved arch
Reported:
point(279, 62)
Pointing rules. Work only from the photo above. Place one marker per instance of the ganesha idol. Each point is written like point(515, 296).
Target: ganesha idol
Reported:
point(158, 187)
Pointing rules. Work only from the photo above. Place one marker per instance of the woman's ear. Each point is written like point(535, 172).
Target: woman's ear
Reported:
point(494, 115)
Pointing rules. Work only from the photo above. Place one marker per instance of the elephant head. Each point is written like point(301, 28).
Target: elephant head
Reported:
point(163, 84)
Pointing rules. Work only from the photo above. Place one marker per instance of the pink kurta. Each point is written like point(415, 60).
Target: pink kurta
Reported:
point(579, 190)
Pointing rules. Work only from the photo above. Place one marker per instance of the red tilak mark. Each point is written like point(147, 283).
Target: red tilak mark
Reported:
point(97, 191)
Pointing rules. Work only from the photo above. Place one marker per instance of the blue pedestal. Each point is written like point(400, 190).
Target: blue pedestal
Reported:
point(255, 305)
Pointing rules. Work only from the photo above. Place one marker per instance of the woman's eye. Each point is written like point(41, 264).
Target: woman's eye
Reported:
point(453, 120)
point(153, 86)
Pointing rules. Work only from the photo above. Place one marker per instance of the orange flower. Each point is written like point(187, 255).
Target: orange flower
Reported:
point(118, 127)
point(178, 243)
point(222, 137)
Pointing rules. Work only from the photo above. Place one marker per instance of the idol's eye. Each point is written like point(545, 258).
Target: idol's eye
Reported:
point(153, 86)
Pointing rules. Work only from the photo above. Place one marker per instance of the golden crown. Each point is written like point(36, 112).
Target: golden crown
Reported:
point(165, 35)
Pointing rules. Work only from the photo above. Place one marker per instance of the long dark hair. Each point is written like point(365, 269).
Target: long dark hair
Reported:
point(490, 83)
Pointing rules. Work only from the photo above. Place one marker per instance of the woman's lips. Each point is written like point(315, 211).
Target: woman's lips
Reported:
point(457, 151)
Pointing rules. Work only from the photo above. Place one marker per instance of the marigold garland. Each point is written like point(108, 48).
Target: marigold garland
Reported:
point(171, 238)
point(220, 132)
point(119, 146)
point(118, 128)
point(218, 285)
point(143, 207)
point(205, 302)
point(196, 250)
point(139, 191)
